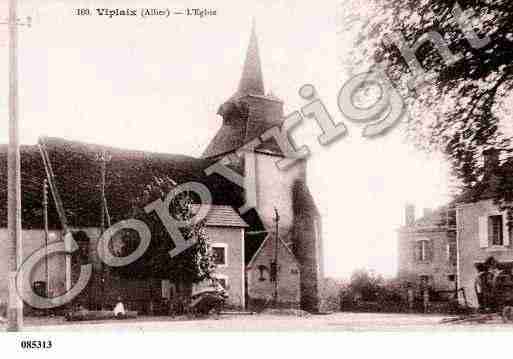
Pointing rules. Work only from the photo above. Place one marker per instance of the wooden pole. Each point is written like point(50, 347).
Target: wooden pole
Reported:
point(104, 272)
point(15, 253)
point(103, 168)
point(277, 220)
point(45, 220)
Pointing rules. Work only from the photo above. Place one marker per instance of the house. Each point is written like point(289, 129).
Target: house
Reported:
point(264, 278)
point(225, 230)
point(427, 251)
point(447, 248)
point(236, 235)
point(482, 227)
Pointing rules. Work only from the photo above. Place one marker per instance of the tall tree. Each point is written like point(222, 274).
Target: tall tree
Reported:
point(192, 265)
point(459, 110)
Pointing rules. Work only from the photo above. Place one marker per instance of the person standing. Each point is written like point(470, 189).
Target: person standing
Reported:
point(119, 309)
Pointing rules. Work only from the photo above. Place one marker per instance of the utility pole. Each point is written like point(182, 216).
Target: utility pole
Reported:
point(103, 157)
point(45, 220)
point(275, 262)
point(15, 253)
point(103, 170)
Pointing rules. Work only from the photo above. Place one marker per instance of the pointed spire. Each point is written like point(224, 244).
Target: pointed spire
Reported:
point(252, 81)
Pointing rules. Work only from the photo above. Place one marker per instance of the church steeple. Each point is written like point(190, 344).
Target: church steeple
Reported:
point(252, 82)
point(249, 112)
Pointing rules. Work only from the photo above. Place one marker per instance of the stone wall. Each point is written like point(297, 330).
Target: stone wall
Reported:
point(260, 287)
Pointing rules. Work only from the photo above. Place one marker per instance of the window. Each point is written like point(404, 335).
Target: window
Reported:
point(451, 277)
point(262, 269)
point(219, 252)
point(495, 230)
point(451, 252)
point(423, 250)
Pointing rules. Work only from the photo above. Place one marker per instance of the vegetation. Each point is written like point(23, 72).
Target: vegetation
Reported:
point(460, 112)
point(330, 293)
point(193, 265)
point(368, 290)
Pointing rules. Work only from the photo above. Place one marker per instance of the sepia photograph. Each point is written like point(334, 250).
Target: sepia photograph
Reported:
point(278, 166)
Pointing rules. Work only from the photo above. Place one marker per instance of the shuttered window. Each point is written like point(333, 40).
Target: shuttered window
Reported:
point(505, 231)
point(451, 252)
point(483, 231)
point(496, 230)
point(423, 250)
point(493, 231)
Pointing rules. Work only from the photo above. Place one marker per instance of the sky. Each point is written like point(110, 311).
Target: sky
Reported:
point(156, 84)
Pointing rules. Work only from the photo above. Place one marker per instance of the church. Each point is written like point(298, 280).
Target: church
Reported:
point(278, 221)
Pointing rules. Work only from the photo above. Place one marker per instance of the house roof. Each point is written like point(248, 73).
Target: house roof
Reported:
point(77, 175)
point(262, 246)
point(223, 216)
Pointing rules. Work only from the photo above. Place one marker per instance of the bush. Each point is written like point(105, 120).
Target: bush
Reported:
point(330, 291)
point(370, 292)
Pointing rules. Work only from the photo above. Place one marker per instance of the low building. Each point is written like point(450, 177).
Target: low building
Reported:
point(264, 277)
point(77, 178)
point(225, 230)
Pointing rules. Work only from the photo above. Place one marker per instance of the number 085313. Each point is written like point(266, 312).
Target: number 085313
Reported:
point(36, 344)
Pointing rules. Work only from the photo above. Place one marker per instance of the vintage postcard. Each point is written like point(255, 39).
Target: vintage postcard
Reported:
point(255, 166)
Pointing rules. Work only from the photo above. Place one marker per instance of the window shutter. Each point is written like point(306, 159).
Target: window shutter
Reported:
point(505, 230)
point(417, 250)
point(483, 231)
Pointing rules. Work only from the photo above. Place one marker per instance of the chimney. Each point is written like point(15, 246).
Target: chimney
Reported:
point(490, 160)
point(409, 214)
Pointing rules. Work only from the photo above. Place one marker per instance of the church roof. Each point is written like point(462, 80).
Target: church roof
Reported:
point(269, 240)
point(227, 139)
point(77, 176)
